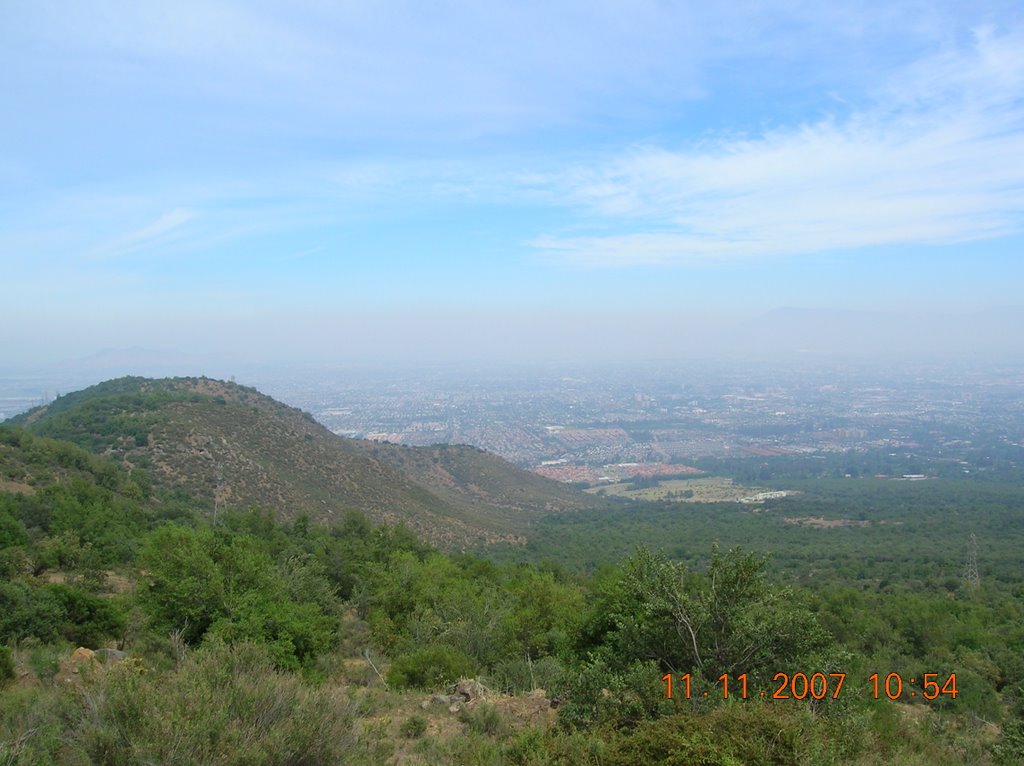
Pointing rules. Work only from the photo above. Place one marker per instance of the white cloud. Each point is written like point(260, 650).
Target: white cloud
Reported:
point(936, 158)
point(162, 225)
point(163, 231)
point(449, 67)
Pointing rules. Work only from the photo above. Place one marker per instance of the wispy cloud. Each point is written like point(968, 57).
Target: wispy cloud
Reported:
point(404, 69)
point(164, 231)
point(932, 159)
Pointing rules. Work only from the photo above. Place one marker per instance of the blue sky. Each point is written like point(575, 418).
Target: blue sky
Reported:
point(215, 175)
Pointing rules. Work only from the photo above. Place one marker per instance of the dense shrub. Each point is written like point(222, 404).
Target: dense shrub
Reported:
point(224, 705)
point(6, 664)
point(26, 612)
point(429, 667)
point(87, 620)
point(54, 611)
point(1010, 746)
point(483, 719)
point(413, 727)
point(204, 582)
point(599, 694)
point(293, 633)
point(738, 735)
point(514, 676)
point(12, 531)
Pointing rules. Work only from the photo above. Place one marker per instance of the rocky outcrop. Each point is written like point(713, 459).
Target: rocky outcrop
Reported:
point(81, 663)
point(466, 691)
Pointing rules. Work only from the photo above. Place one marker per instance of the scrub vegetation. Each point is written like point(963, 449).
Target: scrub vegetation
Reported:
point(265, 635)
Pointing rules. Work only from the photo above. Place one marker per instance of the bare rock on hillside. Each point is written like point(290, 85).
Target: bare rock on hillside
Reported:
point(82, 662)
point(469, 689)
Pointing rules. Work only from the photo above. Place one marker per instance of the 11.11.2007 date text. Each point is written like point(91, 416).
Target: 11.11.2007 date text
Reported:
point(816, 686)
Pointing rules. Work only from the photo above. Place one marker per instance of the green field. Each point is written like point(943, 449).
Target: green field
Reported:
point(709, 489)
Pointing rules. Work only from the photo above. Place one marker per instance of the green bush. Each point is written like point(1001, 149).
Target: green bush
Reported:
point(12, 531)
point(597, 694)
point(57, 611)
point(483, 719)
point(6, 664)
point(527, 748)
point(202, 582)
point(429, 667)
point(293, 633)
point(28, 612)
point(224, 705)
point(1010, 747)
point(733, 735)
point(33, 725)
point(43, 659)
point(185, 587)
point(515, 676)
point(88, 619)
point(413, 727)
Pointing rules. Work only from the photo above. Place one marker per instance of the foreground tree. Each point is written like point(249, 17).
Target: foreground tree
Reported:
point(726, 620)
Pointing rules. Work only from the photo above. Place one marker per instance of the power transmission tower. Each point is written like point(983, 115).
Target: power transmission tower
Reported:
point(971, 577)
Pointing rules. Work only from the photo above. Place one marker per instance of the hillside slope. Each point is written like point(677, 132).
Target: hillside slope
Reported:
point(231, 446)
point(29, 464)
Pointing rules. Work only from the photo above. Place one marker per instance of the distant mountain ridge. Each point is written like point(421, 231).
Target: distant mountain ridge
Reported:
point(231, 446)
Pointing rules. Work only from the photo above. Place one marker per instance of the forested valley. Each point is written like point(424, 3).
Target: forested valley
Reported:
point(260, 635)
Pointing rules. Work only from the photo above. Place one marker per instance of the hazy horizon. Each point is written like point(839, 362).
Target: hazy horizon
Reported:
point(405, 339)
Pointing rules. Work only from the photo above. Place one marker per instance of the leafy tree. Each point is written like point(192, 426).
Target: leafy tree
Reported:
point(26, 612)
point(87, 619)
point(542, 613)
point(600, 692)
point(293, 633)
point(430, 667)
point(184, 587)
point(728, 620)
point(204, 581)
point(12, 531)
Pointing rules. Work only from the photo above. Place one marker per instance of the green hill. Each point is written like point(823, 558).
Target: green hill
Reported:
point(230, 446)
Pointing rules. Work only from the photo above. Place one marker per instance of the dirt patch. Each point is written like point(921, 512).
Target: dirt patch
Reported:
point(119, 583)
point(523, 712)
point(16, 487)
point(822, 523)
point(114, 582)
point(443, 717)
point(916, 713)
